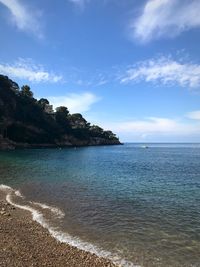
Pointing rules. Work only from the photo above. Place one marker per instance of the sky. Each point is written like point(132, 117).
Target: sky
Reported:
point(129, 66)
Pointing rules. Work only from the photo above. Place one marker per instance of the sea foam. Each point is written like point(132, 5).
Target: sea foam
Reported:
point(56, 211)
point(59, 213)
point(5, 187)
point(19, 194)
point(58, 234)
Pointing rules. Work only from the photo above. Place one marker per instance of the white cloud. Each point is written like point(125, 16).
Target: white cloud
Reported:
point(166, 18)
point(26, 19)
point(166, 71)
point(151, 125)
point(76, 103)
point(155, 129)
point(194, 115)
point(27, 70)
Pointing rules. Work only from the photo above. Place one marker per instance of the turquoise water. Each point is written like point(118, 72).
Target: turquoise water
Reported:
point(142, 205)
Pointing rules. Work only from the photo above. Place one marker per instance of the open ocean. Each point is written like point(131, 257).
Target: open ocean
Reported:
point(137, 206)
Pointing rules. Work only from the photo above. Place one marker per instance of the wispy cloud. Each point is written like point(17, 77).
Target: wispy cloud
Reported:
point(94, 81)
point(166, 18)
point(76, 103)
point(166, 71)
point(80, 3)
point(86, 78)
point(194, 115)
point(25, 18)
point(27, 70)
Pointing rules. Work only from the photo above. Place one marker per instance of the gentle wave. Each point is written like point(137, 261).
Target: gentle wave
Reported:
point(54, 210)
point(5, 187)
point(57, 234)
point(59, 213)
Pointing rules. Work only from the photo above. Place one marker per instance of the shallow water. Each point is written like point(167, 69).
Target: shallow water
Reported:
point(142, 205)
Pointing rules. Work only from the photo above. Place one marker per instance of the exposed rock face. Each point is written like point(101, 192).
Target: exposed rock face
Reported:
point(96, 141)
point(93, 141)
point(6, 144)
point(25, 123)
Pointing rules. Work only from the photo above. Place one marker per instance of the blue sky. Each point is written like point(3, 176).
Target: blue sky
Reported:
point(129, 66)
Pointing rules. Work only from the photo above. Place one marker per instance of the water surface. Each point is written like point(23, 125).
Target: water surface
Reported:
point(142, 205)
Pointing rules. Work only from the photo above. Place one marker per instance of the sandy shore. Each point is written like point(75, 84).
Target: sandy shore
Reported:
point(24, 242)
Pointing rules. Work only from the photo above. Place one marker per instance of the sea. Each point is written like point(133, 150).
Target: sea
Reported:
point(136, 204)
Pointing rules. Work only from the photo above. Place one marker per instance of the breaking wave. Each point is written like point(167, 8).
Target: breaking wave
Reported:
point(61, 236)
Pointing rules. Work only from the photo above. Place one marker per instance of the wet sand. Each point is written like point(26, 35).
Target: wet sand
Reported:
point(24, 242)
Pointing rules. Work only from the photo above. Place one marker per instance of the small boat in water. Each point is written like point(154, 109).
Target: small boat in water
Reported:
point(144, 146)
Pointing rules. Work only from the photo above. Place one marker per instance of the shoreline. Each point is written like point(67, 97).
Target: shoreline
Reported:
point(7, 144)
point(24, 242)
point(10, 147)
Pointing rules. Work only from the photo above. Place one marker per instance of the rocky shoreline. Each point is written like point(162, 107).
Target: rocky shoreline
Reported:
point(7, 144)
point(26, 243)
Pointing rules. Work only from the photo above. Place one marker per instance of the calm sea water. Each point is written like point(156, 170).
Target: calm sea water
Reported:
point(142, 205)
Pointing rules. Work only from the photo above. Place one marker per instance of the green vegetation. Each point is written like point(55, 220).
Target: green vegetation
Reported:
point(26, 120)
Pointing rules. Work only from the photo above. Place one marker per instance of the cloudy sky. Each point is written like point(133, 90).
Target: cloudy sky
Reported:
point(130, 66)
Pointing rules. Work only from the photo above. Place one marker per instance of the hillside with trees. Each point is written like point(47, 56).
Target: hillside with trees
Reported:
point(28, 122)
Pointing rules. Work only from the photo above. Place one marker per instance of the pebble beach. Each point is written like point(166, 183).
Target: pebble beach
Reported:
point(26, 243)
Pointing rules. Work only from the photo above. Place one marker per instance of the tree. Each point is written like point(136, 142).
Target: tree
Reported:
point(96, 131)
point(62, 114)
point(62, 111)
point(43, 102)
point(14, 86)
point(77, 121)
point(109, 135)
point(26, 91)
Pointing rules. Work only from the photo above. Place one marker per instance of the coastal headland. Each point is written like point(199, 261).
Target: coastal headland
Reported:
point(26, 122)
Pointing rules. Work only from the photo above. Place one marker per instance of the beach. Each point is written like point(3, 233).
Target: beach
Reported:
point(24, 242)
